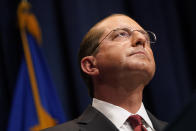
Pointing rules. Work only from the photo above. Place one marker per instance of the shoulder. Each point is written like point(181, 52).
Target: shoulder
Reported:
point(68, 126)
point(157, 124)
point(90, 120)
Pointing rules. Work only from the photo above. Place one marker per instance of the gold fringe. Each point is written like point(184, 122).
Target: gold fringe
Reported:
point(28, 21)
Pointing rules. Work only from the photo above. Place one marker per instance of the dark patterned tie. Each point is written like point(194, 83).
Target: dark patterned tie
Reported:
point(136, 123)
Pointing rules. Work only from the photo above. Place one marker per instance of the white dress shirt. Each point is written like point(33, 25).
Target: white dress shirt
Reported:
point(118, 116)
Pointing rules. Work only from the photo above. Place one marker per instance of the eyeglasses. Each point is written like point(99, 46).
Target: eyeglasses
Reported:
point(124, 34)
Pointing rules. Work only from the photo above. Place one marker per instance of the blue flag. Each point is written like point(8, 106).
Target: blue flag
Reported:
point(35, 103)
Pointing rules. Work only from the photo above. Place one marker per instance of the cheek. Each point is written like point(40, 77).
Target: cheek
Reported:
point(152, 61)
point(113, 52)
point(111, 58)
point(117, 56)
point(150, 54)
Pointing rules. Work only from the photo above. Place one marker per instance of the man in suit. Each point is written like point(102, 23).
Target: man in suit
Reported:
point(116, 63)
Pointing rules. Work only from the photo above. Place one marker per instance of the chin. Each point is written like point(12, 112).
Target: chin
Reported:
point(141, 65)
point(143, 69)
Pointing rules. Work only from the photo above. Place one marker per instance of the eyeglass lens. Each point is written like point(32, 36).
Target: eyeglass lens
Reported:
point(123, 34)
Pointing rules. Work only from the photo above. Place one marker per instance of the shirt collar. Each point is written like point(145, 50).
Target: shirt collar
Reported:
point(118, 115)
point(142, 112)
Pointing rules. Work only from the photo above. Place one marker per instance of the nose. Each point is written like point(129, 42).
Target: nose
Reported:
point(138, 39)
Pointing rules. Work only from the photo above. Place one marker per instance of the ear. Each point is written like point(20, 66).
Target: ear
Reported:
point(88, 65)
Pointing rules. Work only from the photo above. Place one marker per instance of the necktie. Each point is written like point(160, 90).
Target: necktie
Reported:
point(136, 123)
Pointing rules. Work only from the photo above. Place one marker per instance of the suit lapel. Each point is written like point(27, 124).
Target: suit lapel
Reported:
point(157, 124)
point(93, 120)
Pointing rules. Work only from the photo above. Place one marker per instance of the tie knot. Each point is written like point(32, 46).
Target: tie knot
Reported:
point(135, 120)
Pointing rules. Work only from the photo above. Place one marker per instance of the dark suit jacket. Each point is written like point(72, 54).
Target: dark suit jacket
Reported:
point(185, 121)
point(93, 120)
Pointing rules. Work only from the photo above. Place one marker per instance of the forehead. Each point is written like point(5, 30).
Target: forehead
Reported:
point(119, 21)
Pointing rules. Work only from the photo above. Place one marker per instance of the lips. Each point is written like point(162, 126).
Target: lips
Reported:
point(138, 53)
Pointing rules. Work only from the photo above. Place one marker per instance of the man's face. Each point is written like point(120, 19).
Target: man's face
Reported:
point(124, 58)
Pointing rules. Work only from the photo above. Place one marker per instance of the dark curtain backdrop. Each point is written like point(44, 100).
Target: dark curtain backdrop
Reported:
point(64, 23)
